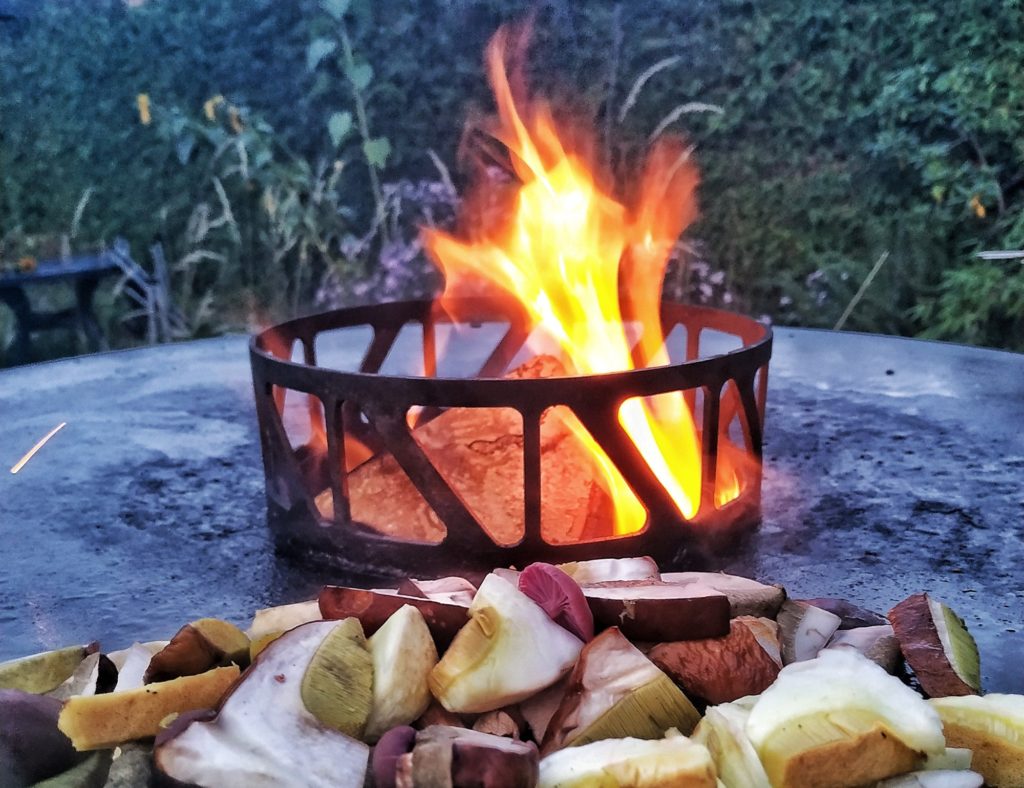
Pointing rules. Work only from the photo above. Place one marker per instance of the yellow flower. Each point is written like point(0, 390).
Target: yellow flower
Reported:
point(143, 102)
point(979, 209)
point(235, 118)
point(210, 106)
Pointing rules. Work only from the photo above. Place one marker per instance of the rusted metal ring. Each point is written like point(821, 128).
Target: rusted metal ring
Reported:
point(364, 398)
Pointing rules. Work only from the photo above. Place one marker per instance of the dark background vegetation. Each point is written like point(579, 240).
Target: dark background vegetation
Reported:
point(847, 129)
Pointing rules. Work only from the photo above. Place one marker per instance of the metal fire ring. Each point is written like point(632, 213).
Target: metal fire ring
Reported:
point(373, 406)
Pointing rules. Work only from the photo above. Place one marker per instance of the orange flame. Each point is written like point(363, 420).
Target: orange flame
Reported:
point(583, 264)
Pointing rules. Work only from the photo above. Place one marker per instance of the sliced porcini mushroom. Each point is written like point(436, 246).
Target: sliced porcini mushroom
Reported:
point(263, 733)
point(508, 651)
point(850, 743)
point(952, 759)
point(452, 590)
point(511, 575)
point(436, 714)
point(615, 692)
point(95, 675)
point(934, 779)
point(197, 647)
point(851, 616)
point(460, 757)
point(804, 630)
point(83, 680)
point(841, 714)
point(746, 597)
point(604, 570)
point(373, 608)
point(256, 645)
point(538, 709)
point(132, 663)
point(744, 662)
point(121, 656)
point(878, 643)
point(723, 730)
point(637, 763)
point(936, 644)
point(97, 722)
point(32, 748)
point(656, 612)
point(501, 722)
point(403, 654)
point(44, 672)
point(560, 597)
point(281, 618)
point(337, 687)
point(992, 726)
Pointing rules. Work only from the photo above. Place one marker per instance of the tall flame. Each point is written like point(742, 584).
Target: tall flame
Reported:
point(573, 255)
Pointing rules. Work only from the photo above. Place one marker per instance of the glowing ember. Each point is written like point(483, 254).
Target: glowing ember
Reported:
point(32, 452)
point(583, 263)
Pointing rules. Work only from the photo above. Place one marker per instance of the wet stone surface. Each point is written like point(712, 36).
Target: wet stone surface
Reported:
point(892, 466)
point(881, 485)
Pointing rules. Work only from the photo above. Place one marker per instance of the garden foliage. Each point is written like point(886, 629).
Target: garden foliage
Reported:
point(846, 129)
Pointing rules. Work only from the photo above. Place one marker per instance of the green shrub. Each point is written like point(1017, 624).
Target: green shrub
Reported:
point(848, 128)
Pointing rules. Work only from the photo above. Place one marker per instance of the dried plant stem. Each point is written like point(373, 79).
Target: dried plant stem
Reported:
point(1002, 255)
point(442, 170)
point(638, 85)
point(861, 291)
point(683, 109)
point(227, 216)
point(76, 220)
point(300, 274)
point(361, 116)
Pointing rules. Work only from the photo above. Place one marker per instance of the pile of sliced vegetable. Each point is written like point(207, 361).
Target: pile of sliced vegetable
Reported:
point(596, 673)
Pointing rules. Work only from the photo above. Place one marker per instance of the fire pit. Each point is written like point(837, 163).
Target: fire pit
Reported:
point(312, 488)
point(607, 444)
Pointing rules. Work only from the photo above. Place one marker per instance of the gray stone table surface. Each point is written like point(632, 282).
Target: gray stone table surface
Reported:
point(891, 466)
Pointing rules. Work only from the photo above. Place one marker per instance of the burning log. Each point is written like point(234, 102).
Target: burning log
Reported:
point(479, 452)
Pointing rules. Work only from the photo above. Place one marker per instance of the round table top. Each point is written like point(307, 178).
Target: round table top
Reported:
point(892, 466)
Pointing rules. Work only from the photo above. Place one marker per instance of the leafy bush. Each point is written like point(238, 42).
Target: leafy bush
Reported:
point(847, 130)
point(264, 223)
point(71, 72)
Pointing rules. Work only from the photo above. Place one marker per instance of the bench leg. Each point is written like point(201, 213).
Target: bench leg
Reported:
point(16, 299)
point(84, 290)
